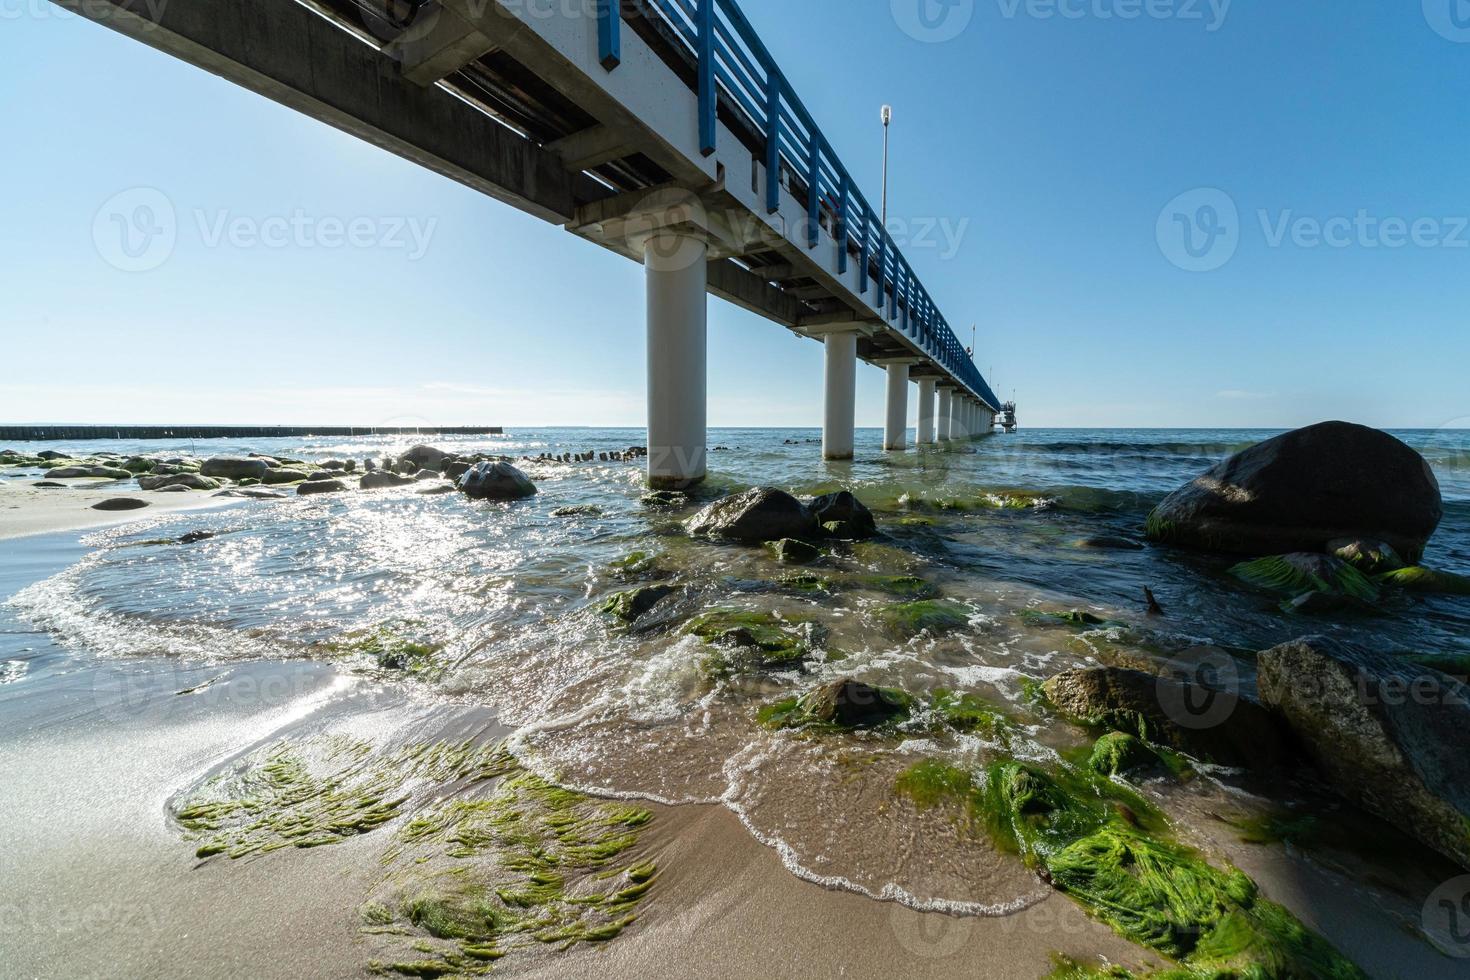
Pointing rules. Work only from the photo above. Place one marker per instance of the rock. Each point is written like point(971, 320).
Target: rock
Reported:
point(138, 464)
point(1118, 753)
point(120, 503)
point(194, 537)
point(1108, 542)
point(179, 489)
point(49, 485)
point(435, 491)
point(369, 464)
point(753, 517)
point(496, 481)
point(248, 494)
point(1367, 556)
point(320, 486)
point(406, 467)
point(790, 551)
point(382, 480)
point(1427, 580)
point(235, 468)
point(425, 458)
point(1304, 489)
point(853, 704)
point(334, 464)
point(276, 477)
point(1298, 574)
point(579, 510)
point(1387, 735)
point(664, 498)
point(51, 454)
point(1213, 725)
point(88, 472)
point(457, 469)
point(847, 509)
point(189, 481)
point(629, 606)
point(936, 616)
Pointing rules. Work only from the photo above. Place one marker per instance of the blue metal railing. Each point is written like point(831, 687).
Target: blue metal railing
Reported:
point(733, 61)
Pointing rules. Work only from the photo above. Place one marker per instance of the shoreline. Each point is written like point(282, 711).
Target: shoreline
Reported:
point(27, 511)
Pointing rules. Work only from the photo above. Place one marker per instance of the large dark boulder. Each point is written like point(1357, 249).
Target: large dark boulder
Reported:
point(754, 517)
point(1180, 713)
point(1304, 490)
point(233, 468)
point(496, 481)
point(845, 509)
point(1387, 734)
point(425, 458)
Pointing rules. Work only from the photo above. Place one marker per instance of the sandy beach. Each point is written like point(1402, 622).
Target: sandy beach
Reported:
point(26, 509)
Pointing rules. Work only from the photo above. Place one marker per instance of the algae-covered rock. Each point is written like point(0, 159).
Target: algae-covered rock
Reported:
point(1119, 753)
point(907, 619)
point(1301, 491)
point(1079, 619)
point(1212, 725)
point(630, 605)
point(120, 503)
point(1427, 580)
point(234, 468)
point(496, 481)
point(790, 551)
point(88, 472)
point(903, 586)
point(1387, 735)
point(845, 509)
point(189, 481)
point(845, 703)
point(753, 641)
point(664, 499)
point(316, 487)
point(278, 476)
point(138, 464)
point(754, 517)
point(1302, 573)
point(1367, 556)
point(578, 510)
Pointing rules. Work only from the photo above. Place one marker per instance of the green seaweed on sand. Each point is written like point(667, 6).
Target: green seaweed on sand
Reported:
point(320, 791)
point(746, 641)
point(1119, 753)
point(1426, 580)
point(908, 619)
point(1110, 851)
point(1300, 574)
point(389, 648)
point(474, 880)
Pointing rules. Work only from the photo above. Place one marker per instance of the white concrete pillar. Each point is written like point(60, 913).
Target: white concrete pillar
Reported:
point(958, 432)
point(926, 412)
point(970, 417)
point(839, 406)
point(896, 424)
point(946, 399)
point(676, 269)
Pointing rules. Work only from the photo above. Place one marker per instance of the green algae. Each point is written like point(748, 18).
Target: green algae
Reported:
point(807, 714)
point(1332, 577)
point(903, 586)
point(747, 641)
point(630, 605)
point(320, 792)
point(635, 564)
point(1426, 580)
point(389, 648)
point(966, 712)
point(1109, 851)
point(806, 582)
point(578, 510)
point(1118, 753)
point(909, 619)
point(474, 880)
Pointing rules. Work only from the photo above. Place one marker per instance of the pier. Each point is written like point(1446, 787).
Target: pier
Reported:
point(662, 130)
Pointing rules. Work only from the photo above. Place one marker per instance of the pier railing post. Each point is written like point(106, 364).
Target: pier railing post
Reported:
point(676, 267)
point(926, 412)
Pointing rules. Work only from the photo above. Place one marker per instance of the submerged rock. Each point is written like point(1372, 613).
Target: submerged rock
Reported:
point(1420, 579)
point(383, 480)
point(1388, 736)
point(496, 481)
point(1209, 724)
point(312, 487)
point(790, 551)
point(1300, 574)
point(844, 508)
point(233, 468)
point(1302, 490)
point(189, 481)
point(753, 517)
point(630, 605)
point(120, 503)
point(907, 619)
point(843, 703)
point(752, 641)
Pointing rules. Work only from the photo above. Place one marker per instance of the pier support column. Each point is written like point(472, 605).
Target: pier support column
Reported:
point(839, 405)
point(896, 422)
point(677, 273)
point(926, 412)
point(958, 431)
point(946, 401)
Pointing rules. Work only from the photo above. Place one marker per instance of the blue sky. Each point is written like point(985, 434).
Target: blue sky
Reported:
point(1051, 136)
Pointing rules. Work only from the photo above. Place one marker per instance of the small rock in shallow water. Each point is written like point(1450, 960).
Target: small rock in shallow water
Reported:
point(425, 458)
point(496, 481)
point(194, 537)
point(191, 481)
point(49, 485)
point(580, 510)
point(233, 468)
point(276, 477)
point(383, 480)
point(853, 704)
point(790, 551)
point(120, 503)
point(320, 486)
point(753, 517)
point(845, 508)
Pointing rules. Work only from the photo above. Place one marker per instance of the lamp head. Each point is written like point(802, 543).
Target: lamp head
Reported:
point(887, 114)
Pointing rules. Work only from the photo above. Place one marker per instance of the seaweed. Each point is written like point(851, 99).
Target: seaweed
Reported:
point(1420, 579)
point(390, 649)
point(1297, 575)
point(908, 619)
point(746, 641)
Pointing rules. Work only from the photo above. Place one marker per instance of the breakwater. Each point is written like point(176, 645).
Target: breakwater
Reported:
point(55, 433)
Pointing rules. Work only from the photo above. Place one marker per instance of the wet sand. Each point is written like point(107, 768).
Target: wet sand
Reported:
point(26, 509)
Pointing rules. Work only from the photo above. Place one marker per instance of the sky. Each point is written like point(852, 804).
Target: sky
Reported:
point(1157, 213)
